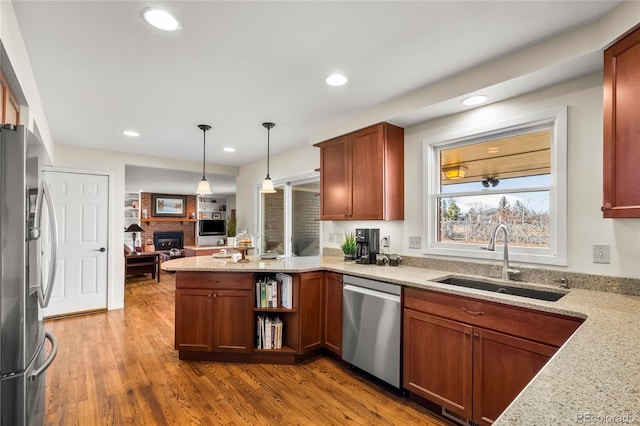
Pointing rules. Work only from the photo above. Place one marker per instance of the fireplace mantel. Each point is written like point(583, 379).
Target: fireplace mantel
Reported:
point(168, 219)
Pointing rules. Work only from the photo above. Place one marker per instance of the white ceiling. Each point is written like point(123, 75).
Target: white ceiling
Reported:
point(100, 69)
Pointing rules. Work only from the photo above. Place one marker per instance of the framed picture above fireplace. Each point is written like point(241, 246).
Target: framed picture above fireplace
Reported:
point(168, 205)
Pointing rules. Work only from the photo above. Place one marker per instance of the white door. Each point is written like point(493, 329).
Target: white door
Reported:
point(81, 206)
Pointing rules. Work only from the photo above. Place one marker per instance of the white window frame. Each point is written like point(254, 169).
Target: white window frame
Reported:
point(556, 253)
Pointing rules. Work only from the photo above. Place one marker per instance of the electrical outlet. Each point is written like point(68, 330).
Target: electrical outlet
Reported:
point(386, 241)
point(414, 242)
point(601, 253)
point(332, 237)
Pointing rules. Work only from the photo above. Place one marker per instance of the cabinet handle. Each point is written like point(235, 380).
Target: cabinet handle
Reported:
point(473, 312)
point(466, 333)
point(209, 295)
point(476, 335)
point(215, 295)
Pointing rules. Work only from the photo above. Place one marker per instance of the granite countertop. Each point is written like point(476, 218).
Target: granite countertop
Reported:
point(593, 378)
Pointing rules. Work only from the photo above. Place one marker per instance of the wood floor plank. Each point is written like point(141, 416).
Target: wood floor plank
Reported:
point(120, 367)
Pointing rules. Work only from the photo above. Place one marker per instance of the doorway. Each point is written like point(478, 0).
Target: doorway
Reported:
point(290, 218)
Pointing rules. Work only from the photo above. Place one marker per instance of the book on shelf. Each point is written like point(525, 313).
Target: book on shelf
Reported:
point(286, 290)
point(268, 332)
point(267, 293)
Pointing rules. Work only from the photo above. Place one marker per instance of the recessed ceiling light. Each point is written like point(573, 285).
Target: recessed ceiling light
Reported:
point(336, 80)
point(132, 133)
point(229, 149)
point(475, 100)
point(160, 19)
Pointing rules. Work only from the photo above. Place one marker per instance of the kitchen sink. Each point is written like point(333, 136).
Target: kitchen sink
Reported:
point(547, 295)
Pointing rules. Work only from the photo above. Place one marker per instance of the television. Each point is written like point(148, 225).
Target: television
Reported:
point(212, 227)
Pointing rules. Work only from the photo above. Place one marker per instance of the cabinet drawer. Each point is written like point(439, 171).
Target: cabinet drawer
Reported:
point(214, 280)
point(543, 327)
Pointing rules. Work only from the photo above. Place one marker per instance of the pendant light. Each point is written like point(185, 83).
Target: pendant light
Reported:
point(267, 183)
point(203, 186)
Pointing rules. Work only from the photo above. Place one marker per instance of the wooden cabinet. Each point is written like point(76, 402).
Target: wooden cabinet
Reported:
point(194, 320)
point(437, 360)
point(232, 321)
point(362, 175)
point(214, 312)
point(332, 336)
point(310, 311)
point(474, 357)
point(502, 367)
point(9, 107)
point(622, 128)
point(217, 315)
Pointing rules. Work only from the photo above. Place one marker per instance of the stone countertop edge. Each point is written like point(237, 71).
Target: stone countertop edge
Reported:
point(593, 377)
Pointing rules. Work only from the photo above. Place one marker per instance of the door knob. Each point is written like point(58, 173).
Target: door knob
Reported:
point(102, 249)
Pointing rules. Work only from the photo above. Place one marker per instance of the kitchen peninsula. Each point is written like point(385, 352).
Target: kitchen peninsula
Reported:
point(595, 373)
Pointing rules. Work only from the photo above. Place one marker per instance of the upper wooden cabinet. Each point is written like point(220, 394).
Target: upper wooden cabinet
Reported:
point(362, 175)
point(9, 107)
point(622, 128)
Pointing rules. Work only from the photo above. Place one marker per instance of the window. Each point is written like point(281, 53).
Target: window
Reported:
point(512, 173)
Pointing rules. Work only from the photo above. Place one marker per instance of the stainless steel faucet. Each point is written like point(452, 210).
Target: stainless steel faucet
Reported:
point(492, 247)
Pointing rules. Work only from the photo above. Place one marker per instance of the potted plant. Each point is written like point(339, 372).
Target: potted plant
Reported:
point(349, 246)
point(231, 231)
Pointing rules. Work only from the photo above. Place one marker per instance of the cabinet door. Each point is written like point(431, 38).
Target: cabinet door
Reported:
point(438, 360)
point(502, 367)
point(367, 172)
point(622, 128)
point(335, 170)
point(310, 311)
point(194, 313)
point(232, 321)
point(333, 312)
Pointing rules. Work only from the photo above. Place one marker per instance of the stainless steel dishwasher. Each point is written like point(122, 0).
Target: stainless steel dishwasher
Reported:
point(371, 327)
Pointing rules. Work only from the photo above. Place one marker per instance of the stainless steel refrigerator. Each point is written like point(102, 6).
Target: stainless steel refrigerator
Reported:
point(26, 214)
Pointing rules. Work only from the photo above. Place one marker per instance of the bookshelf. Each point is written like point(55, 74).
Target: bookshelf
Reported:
point(212, 207)
point(131, 213)
point(275, 315)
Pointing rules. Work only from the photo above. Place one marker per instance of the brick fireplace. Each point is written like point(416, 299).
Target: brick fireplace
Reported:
point(158, 225)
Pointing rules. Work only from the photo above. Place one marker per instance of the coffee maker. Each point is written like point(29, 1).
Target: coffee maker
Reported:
point(367, 245)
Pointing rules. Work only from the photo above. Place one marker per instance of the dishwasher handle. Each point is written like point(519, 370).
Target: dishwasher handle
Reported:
point(354, 289)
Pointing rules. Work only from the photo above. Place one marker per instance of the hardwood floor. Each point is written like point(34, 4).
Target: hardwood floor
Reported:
point(119, 367)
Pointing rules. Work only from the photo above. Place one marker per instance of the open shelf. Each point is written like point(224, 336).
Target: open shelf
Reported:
point(275, 310)
point(284, 349)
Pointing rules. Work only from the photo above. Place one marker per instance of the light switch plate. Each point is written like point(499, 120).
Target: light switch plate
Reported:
point(414, 242)
point(601, 253)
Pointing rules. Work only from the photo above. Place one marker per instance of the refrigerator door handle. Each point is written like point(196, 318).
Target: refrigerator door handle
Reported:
point(44, 295)
point(52, 355)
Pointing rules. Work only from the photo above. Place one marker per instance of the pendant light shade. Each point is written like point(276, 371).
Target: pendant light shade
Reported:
point(203, 186)
point(267, 183)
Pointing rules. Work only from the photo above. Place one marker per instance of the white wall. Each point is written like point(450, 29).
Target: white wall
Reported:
point(16, 51)
point(583, 96)
point(74, 157)
point(289, 164)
